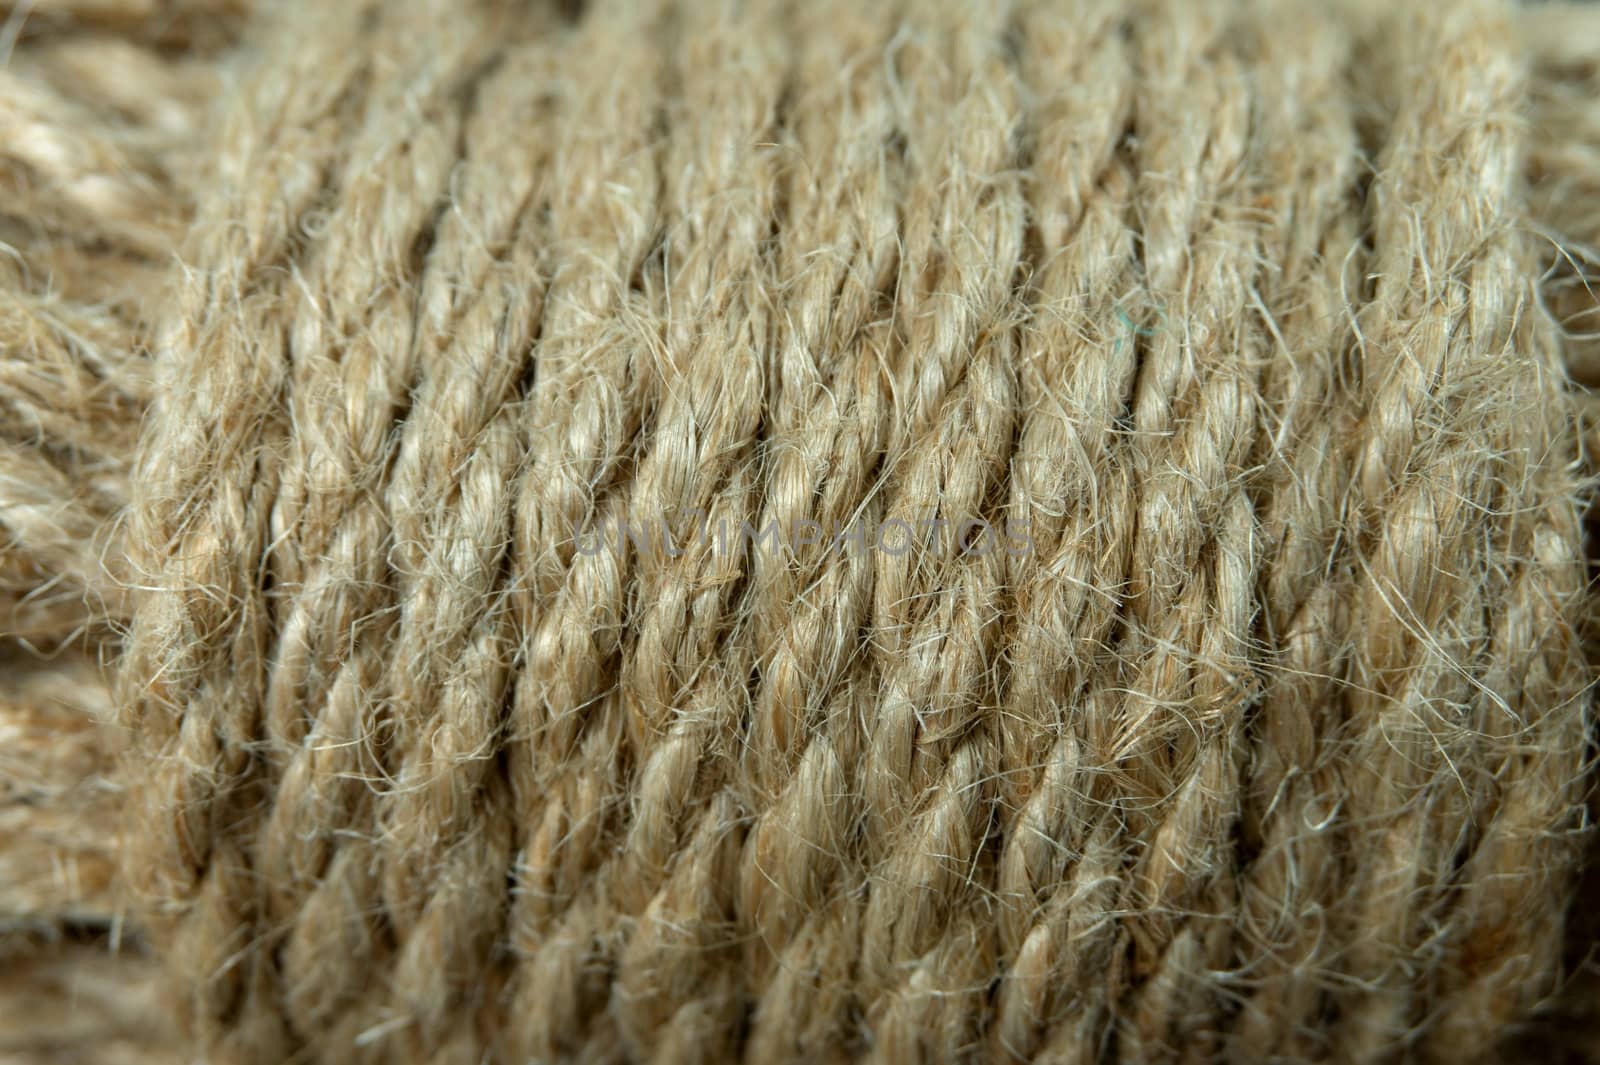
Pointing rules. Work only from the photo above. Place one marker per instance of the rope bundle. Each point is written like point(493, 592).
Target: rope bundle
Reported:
point(1148, 624)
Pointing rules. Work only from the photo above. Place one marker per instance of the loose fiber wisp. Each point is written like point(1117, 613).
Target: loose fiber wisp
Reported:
point(760, 530)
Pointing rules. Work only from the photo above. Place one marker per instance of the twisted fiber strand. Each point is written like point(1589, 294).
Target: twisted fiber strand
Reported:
point(684, 663)
point(429, 494)
point(928, 767)
point(1293, 780)
point(1269, 744)
point(246, 342)
point(1433, 343)
point(838, 252)
point(1070, 482)
point(593, 392)
point(1181, 663)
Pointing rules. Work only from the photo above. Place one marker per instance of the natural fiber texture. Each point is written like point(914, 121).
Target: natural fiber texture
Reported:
point(1125, 596)
point(101, 118)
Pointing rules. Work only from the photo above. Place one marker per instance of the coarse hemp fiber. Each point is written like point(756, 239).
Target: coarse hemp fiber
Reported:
point(1211, 681)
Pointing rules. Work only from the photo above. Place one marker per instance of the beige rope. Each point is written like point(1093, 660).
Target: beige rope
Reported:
point(769, 531)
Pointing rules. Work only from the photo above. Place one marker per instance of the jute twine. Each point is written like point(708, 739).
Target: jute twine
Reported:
point(798, 530)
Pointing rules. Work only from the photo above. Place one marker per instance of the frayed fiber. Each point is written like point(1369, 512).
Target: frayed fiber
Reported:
point(756, 530)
